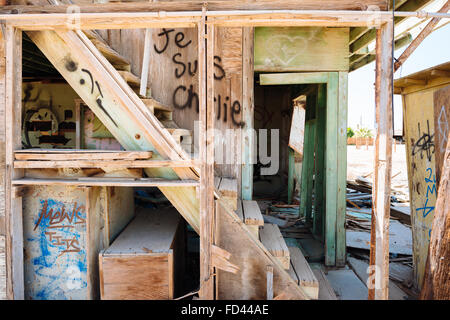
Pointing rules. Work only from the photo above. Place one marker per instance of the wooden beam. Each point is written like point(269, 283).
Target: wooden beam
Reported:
point(293, 78)
point(108, 182)
point(381, 194)
point(370, 35)
point(13, 206)
point(422, 35)
point(170, 6)
point(67, 155)
point(248, 142)
point(34, 164)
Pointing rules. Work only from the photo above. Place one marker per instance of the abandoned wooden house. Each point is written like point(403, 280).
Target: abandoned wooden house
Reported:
point(134, 139)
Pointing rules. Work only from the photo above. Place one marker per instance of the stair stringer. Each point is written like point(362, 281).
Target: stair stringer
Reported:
point(120, 110)
point(252, 258)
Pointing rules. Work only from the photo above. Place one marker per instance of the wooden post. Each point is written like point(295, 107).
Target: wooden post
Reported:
point(13, 137)
point(206, 146)
point(379, 246)
point(248, 142)
point(269, 277)
point(320, 164)
point(331, 165)
point(341, 169)
point(291, 174)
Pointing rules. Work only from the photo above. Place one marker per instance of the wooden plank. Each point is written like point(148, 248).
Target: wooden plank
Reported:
point(342, 169)
point(326, 292)
point(331, 167)
point(274, 242)
point(197, 6)
point(252, 213)
point(305, 276)
point(347, 285)
point(251, 257)
point(13, 206)
point(124, 182)
point(296, 136)
point(381, 194)
point(319, 183)
point(269, 282)
point(119, 210)
point(303, 49)
point(87, 155)
point(105, 164)
point(247, 143)
point(239, 210)
point(293, 78)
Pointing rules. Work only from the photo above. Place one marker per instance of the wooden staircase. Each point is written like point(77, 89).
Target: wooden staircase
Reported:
point(102, 78)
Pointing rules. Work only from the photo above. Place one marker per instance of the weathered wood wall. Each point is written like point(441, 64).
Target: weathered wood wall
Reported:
point(420, 132)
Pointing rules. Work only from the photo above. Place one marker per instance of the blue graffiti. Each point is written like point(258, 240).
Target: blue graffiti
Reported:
point(431, 179)
point(58, 235)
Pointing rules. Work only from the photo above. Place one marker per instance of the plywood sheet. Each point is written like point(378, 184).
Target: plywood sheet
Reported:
point(55, 231)
point(301, 49)
point(442, 126)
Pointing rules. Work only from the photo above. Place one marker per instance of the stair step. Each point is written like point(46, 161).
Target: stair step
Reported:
point(131, 79)
point(250, 213)
point(119, 62)
point(272, 239)
point(161, 112)
point(227, 188)
point(301, 272)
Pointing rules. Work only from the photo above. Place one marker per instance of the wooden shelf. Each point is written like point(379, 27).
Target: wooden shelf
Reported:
point(37, 164)
point(110, 182)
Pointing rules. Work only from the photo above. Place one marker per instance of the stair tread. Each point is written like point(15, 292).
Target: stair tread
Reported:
point(152, 103)
point(272, 239)
point(228, 187)
point(174, 129)
point(252, 213)
point(130, 78)
point(301, 268)
point(109, 53)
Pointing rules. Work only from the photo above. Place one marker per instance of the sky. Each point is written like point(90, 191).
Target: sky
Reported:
point(434, 50)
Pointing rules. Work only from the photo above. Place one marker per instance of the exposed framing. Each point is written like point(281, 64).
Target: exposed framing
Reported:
point(15, 24)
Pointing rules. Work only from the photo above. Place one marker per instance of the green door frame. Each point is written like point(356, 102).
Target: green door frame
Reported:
point(334, 161)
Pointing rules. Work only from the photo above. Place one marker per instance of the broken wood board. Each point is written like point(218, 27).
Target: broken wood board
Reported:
point(297, 133)
point(326, 292)
point(360, 267)
point(299, 269)
point(400, 239)
point(347, 285)
point(252, 258)
point(272, 239)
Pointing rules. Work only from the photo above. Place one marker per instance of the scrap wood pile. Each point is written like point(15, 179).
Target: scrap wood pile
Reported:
point(359, 198)
point(358, 227)
point(286, 217)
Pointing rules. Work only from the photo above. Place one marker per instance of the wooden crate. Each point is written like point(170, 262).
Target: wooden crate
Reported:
point(146, 260)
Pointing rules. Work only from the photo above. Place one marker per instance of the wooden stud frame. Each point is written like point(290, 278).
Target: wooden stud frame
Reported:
point(335, 248)
point(335, 157)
